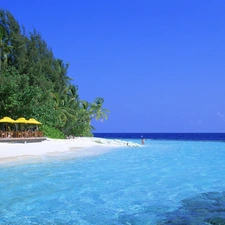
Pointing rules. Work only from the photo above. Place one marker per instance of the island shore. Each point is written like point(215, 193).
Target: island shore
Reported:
point(81, 146)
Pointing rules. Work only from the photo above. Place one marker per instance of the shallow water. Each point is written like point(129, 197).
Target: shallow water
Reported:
point(162, 182)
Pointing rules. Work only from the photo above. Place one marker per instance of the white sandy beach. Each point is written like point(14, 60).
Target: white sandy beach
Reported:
point(12, 151)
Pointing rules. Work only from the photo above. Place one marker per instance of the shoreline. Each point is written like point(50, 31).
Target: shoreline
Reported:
point(61, 148)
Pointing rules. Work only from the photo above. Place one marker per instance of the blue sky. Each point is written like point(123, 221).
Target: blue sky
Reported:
point(159, 65)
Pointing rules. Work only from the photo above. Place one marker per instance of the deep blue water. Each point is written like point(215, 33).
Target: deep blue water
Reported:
point(167, 181)
point(165, 136)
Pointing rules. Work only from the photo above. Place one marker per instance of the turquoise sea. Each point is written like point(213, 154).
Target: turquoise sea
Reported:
point(166, 181)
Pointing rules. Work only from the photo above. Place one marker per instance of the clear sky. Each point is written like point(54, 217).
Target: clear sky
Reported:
point(159, 64)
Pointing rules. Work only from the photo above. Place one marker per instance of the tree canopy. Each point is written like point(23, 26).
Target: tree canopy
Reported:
point(34, 84)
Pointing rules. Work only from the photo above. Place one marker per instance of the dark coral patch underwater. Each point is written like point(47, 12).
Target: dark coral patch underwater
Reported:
point(204, 209)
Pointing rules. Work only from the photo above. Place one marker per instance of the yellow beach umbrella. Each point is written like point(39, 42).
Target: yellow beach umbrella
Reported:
point(21, 120)
point(7, 120)
point(33, 121)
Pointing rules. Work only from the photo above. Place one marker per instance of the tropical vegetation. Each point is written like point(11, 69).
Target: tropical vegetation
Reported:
point(34, 84)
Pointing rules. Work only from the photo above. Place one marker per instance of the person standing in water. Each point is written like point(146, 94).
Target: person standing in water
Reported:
point(143, 141)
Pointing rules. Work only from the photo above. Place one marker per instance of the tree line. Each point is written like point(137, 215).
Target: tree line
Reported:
point(34, 84)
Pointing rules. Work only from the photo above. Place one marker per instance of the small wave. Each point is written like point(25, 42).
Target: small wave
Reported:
point(115, 142)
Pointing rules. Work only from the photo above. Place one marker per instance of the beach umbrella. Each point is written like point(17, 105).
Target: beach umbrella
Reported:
point(21, 120)
point(33, 121)
point(7, 120)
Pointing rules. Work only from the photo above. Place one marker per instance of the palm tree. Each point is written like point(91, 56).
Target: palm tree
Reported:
point(96, 111)
point(89, 111)
point(63, 107)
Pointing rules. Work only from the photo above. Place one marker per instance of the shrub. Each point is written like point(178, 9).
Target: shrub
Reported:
point(51, 132)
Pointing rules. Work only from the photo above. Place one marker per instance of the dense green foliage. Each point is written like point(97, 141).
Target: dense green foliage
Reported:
point(52, 132)
point(34, 84)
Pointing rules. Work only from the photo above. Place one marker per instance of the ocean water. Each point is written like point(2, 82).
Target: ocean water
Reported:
point(166, 181)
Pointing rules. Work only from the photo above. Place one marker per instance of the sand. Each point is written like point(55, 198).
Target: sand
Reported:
point(12, 151)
